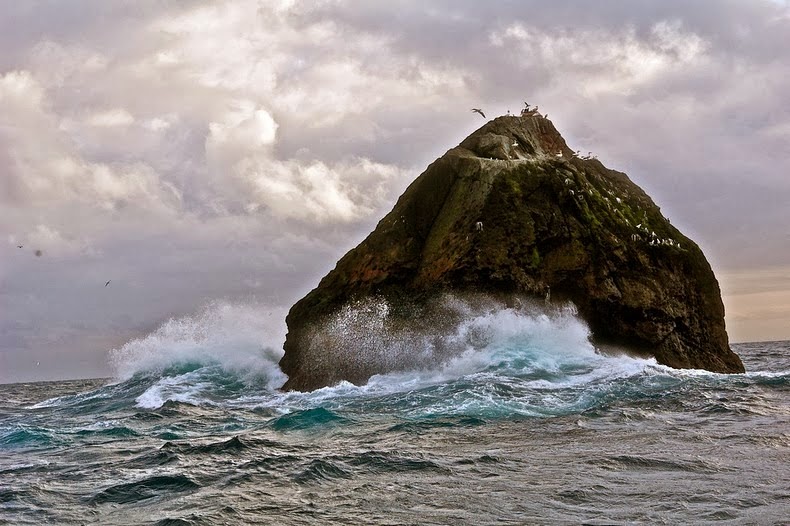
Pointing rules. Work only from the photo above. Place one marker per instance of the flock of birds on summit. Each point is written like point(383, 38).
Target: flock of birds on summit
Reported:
point(643, 232)
point(529, 110)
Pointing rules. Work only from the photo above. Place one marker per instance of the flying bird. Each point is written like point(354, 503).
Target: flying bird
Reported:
point(19, 246)
point(478, 110)
point(108, 282)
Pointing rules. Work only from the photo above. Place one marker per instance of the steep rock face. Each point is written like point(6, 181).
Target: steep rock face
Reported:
point(512, 211)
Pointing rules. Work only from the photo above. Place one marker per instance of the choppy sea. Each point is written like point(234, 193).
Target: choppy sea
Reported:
point(532, 427)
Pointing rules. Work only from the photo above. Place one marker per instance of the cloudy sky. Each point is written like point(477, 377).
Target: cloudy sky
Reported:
point(195, 152)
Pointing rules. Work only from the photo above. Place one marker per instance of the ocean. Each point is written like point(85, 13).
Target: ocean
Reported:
point(533, 426)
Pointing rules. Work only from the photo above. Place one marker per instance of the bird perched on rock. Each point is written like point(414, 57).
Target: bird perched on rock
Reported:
point(478, 110)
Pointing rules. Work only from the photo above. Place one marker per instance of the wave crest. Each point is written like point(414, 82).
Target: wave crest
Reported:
point(452, 337)
point(484, 358)
point(241, 339)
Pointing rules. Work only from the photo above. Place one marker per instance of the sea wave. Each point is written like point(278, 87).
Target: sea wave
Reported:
point(517, 360)
point(212, 351)
point(506, 360)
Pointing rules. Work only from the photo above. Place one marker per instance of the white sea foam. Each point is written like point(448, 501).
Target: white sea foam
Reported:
point(522, 360)
point(526, 349)
point(242, 339)
point(188, 388)
point(51, 402)
point(518, 343)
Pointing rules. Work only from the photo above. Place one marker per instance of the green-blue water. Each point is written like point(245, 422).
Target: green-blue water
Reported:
point(534, 427)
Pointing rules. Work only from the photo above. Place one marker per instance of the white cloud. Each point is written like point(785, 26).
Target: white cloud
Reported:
point(19, 89)
point(242, 131)
point(239, 154)
point(238, 71)
point(157, 124)
point(46, 166)
point(226, 46)
point(601, 61)
point(315, 191)
point(59, 64)
point(111, 118)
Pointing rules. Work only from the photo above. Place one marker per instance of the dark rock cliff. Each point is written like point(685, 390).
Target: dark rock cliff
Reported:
point(512, 211)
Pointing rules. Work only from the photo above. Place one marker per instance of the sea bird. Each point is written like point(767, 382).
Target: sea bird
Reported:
point(19, 246)
point(108, 282)
point(478, 110)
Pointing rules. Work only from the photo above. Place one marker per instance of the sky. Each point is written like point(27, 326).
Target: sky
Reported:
point(203, 153)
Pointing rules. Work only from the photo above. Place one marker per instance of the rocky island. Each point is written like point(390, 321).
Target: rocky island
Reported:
point(514, 213)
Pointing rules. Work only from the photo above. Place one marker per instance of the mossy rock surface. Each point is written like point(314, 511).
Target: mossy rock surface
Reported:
point(512, 211)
